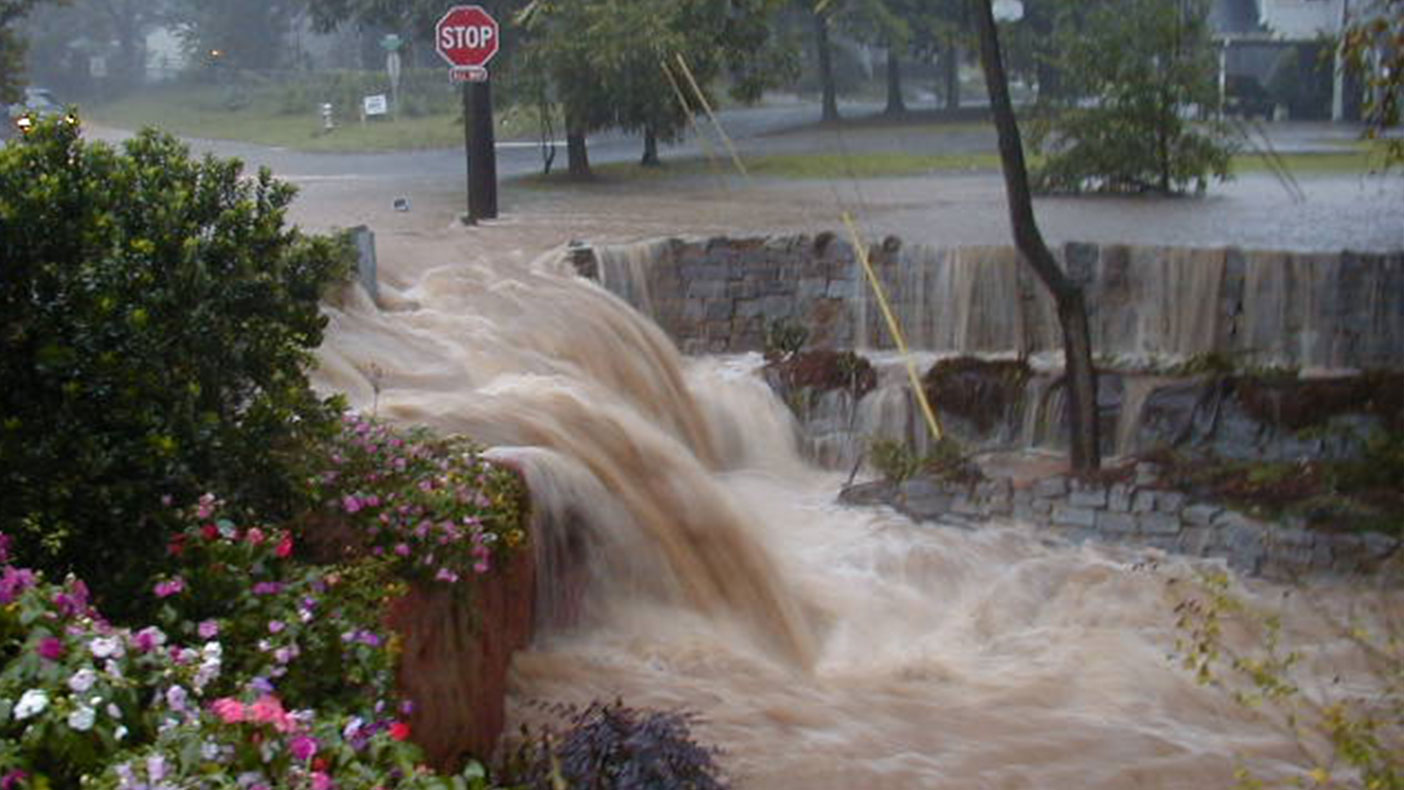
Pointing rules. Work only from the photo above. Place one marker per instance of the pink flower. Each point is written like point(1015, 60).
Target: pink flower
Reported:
point(50, 648)
point(402, 549)
point(480, 567)
point(255, 536)
point(208, 629)
point(285, 546)
point(148, 639)
point(446, 575)
point(229, 710)
point(165, 589)
point(303, 748)
point(351, 503)
point(269, 710)
point(321, 781)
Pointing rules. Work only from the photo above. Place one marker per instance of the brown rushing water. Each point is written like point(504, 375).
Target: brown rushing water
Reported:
point(695, 560)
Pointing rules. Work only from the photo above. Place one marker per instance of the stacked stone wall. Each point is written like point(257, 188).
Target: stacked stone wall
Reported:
point(1138, 512)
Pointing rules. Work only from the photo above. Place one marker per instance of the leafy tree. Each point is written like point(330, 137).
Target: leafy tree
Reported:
point(1131, 71)
point(904, 28)
point(12, 47)
point(620, 62)
point(56, 33)
point(1374, 47)
point(1067, 295)
point(156, 319)
point(412, 20)
point(246, 34)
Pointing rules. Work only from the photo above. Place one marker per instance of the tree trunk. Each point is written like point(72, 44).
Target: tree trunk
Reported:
point(125, 24)
point(895, 104)
point(1080, 375)
point(826, 68)
point(951, 68)
point(650, 152)
point(577, 156)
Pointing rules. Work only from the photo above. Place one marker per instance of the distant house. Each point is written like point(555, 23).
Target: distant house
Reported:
point(1286, 48)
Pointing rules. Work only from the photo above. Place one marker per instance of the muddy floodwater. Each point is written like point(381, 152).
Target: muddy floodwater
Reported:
point(692, 559)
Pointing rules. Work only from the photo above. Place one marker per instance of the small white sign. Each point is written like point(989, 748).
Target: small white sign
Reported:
point(468, 74)
point(376, 105)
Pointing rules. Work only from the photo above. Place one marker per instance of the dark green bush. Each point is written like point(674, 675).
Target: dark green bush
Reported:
point(156, 317)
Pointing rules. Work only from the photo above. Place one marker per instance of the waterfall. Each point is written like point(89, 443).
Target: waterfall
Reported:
point(690, 558)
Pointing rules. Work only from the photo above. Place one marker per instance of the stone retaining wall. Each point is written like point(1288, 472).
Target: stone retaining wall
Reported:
point(1138, 513)
point(1333, 310)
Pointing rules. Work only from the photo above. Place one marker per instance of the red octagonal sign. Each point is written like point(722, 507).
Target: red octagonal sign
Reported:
point(467, 37)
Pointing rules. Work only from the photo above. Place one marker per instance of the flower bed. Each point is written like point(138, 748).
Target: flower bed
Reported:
point(262, 669)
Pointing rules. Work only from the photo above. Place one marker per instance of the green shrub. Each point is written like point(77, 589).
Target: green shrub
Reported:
point(1134, 70)
point(156, 318)
point(784, 338)
point(1348, 734)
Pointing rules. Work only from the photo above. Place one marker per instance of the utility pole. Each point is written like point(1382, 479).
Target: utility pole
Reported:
point(481, 146)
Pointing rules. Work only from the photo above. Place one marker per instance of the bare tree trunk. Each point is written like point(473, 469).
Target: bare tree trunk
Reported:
point(895, 103)
point(826, 68)
point(577, 155)
point(951, 68)
point(1067, 295)
point(650, 152)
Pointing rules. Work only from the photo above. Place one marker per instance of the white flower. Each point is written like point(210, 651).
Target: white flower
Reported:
point(112, 668)
point(120, 732)
point(209, 751)
point(176, 698)
point(106, 647)
point(114, 711)
point(212, 651)
point(156, 767)
point(82, 680)
point(82, 718)
point(32, 703)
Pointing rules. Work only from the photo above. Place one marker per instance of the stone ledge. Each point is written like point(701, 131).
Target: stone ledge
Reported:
point(1151, 517)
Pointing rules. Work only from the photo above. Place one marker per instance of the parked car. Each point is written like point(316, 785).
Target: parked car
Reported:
point(37, 103)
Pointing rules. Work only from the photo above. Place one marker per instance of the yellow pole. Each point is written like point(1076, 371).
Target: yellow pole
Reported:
point(702, 99)
point(687, 110)
point(861, 251)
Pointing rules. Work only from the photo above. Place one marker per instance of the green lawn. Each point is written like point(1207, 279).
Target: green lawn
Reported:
point(201, 113)
point(877, 164)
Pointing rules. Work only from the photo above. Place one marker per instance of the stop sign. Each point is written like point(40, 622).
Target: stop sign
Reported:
point(466, 37)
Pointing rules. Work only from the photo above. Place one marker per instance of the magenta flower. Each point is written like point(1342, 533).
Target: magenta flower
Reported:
point(148, 639)
point(208, 629)
point(351, 503)
point(165, 589)
point(303, 748)
point(50, 648)
point(4, 547)
point(14, 581)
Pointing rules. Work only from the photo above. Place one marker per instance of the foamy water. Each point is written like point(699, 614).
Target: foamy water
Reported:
point(692, 559)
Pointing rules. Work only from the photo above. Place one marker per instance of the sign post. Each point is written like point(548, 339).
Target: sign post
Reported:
point(467, 37)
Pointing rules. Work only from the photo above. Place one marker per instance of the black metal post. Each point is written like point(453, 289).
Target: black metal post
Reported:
point(481, 147)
